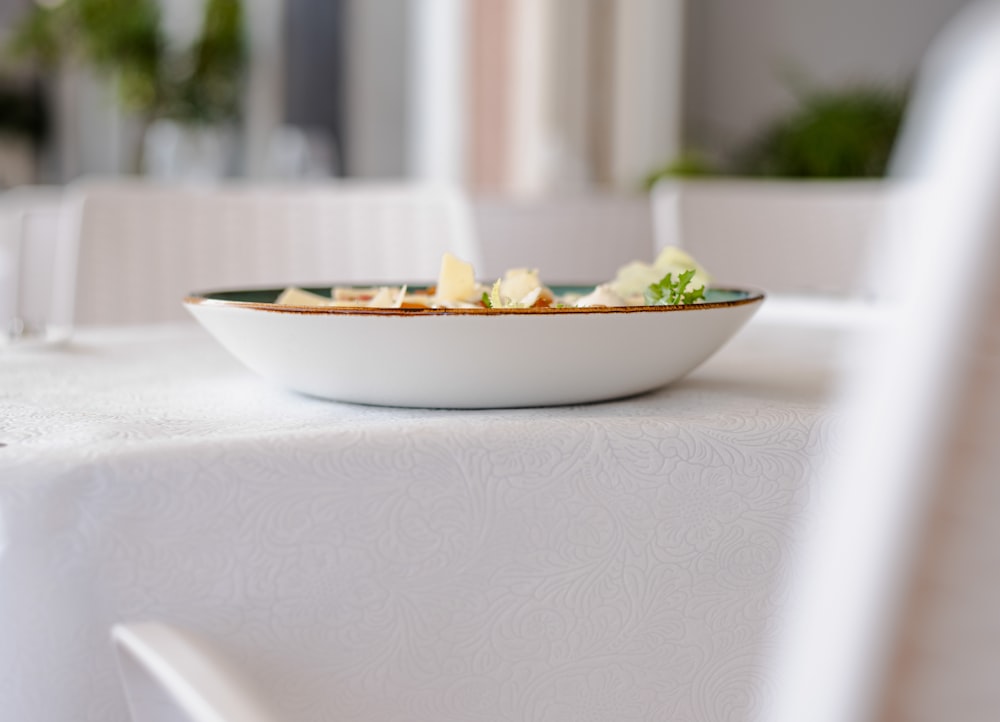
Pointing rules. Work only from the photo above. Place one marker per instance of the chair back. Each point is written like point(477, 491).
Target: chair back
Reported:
point(785, 236)
point(170, 675)
point(144, 246)
point(574, 239)
point(892, 613)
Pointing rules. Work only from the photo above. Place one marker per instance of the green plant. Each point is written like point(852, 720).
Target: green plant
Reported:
point(691, 163)
point(124, 40)
point(846, 133)
point(204, 86)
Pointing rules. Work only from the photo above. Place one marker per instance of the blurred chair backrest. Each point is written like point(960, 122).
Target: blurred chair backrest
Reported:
point(570, 239)
point(143, 246)
point(170, 675)
point(37, 260)
point(892, 615)
point(780, 235)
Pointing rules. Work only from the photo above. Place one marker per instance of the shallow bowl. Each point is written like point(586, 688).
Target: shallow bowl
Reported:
point(471, 358)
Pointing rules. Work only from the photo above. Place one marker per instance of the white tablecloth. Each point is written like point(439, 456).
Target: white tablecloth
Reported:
point(610, 561)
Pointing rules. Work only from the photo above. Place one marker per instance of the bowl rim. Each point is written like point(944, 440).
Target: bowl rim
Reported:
point(203, 298)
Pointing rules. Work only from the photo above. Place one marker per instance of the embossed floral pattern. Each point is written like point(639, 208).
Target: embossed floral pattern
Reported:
point(607, 562)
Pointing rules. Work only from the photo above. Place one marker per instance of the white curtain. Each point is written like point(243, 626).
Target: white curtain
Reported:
point(572, 94)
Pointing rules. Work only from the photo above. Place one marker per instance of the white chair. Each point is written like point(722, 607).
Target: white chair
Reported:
point(143, 246)
point(893, 613)
point(817, 247)
point(572, 239)
point(782, 235)
point(170, 675)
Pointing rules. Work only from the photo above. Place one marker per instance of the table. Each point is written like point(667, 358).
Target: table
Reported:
point(609, 561)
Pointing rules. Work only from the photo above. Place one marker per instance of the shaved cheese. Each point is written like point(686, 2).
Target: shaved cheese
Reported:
point(352, 294)
point(495, 300)
point(676, 261)
point(603, 295)
point(672, 256)
point(387, 297)
point(298, 297)
point(418, 299)
point(528, 300)
point(518, 283)
point(633, 278)
point(518, 288)
point(456, 282)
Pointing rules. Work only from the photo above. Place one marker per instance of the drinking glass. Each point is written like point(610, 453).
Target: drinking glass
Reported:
point(38, 259)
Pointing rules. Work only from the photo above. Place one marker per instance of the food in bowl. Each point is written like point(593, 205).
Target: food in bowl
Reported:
point(346, 343)
point(635, 284)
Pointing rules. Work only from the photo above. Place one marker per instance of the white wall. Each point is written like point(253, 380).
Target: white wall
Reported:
point(377, 110)
point(648, 100)
point(264, 93)
point(437, 91)
point(740, 52)
point(89, 131)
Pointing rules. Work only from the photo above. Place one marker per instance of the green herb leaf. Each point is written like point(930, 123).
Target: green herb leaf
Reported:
point(668, 292)
point(697, 294)
point(486, 300)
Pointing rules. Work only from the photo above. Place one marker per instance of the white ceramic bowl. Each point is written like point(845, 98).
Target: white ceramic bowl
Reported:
point(477, 358)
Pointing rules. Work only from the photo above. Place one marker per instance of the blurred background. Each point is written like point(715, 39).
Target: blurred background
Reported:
point(503, 97)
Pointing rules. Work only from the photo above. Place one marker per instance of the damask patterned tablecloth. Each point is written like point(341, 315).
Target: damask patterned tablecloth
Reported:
point(615, 561)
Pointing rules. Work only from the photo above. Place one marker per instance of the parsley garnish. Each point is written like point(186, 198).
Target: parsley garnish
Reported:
point(670, 293)
point(486, 300)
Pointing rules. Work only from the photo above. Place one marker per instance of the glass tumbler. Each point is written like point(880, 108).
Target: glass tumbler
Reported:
point(38, 261)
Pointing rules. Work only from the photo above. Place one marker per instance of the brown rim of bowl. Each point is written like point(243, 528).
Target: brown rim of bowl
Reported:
point(200, 299)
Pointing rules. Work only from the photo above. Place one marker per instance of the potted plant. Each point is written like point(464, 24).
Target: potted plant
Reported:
point(197, 88)
point(797, 206)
